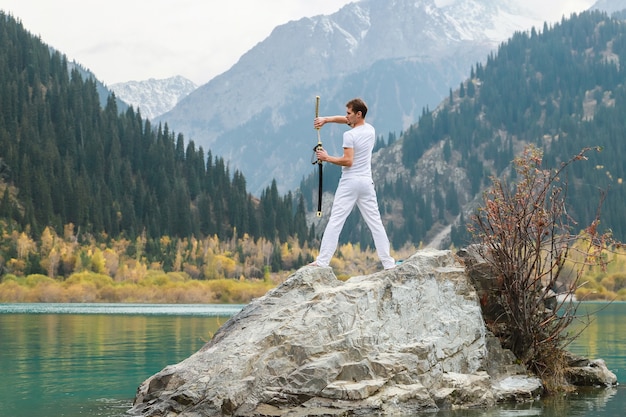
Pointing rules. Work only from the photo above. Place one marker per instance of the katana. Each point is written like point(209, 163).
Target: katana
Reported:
point(315, 160)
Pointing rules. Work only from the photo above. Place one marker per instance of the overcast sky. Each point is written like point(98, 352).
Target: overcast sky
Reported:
point(124, 40)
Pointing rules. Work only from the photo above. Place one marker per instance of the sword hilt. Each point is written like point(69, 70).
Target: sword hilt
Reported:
point(317, 114)
point(317, 108)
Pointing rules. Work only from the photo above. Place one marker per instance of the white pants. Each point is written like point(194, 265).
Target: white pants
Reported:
point(351, 191)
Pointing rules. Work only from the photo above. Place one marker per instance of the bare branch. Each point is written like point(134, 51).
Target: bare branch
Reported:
point(526, 234)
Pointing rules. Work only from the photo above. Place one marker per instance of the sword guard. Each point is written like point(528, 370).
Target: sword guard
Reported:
point(314, 159)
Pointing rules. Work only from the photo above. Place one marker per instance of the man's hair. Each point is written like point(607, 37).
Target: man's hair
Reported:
point(357, 105)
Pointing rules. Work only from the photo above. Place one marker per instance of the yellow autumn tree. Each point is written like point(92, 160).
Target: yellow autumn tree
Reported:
point(98, 263)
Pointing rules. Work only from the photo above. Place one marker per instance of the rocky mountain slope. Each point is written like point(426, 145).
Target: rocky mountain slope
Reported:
point(609, 6)
point(400, 56)
point(558, 89)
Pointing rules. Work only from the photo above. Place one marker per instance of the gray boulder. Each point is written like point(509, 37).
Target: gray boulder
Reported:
point(395, 342)
point(584, 372)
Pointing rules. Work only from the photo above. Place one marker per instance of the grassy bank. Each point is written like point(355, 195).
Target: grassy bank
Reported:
point(155, 287)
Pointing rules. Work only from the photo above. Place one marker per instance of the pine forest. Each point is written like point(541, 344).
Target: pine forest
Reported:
point(98, 204)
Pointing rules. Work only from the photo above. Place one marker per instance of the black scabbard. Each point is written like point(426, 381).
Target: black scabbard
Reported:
point(319, 190)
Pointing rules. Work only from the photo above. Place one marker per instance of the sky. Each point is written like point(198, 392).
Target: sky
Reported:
point(134, 40)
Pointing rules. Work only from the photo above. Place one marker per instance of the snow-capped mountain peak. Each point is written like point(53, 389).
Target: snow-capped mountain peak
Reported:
point(154, 97)
point(400, 55)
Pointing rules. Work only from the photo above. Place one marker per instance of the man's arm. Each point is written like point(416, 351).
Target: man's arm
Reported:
point(321, 121)
point(345, 160)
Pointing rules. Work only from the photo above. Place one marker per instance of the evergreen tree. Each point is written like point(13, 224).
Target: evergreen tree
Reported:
point(73, 161)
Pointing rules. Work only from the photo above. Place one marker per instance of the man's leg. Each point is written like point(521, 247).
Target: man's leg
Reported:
point(343, 203)
point(368, 206)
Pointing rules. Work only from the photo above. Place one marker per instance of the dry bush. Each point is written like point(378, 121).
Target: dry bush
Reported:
point(525, 234)
point(12, 292)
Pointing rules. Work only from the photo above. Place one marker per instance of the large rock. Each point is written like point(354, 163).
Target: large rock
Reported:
point(399, 341)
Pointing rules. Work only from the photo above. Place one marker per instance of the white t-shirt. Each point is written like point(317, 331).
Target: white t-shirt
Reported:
point(361, 139)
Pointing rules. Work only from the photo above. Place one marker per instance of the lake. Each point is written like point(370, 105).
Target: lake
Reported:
point(69, 360)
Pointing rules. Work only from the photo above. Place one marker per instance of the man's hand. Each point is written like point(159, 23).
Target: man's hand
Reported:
point(319, 122)
point(321, 154)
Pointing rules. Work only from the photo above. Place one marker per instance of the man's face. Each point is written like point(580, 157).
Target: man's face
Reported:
point(351, 116)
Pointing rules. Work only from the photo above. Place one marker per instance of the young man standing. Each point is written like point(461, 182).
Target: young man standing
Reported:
point(355, 186)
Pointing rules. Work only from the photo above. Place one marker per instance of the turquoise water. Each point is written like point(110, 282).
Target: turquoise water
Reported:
point(88, 359)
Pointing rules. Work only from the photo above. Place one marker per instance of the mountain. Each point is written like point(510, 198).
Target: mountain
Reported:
point(400, 56)
point(154, 97)
point(103, 91)
point(66, 161)
point(609, 6)
point(561, 88)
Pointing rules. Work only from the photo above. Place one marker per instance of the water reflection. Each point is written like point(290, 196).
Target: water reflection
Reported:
point(90, 364)
point(586, 403)
point(204, 310)
point(76, 364)
point(604, 335)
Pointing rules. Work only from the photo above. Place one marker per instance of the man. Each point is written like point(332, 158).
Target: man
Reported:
point(355, 186)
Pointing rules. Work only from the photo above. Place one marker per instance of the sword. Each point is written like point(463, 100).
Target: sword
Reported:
point(317, 161)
